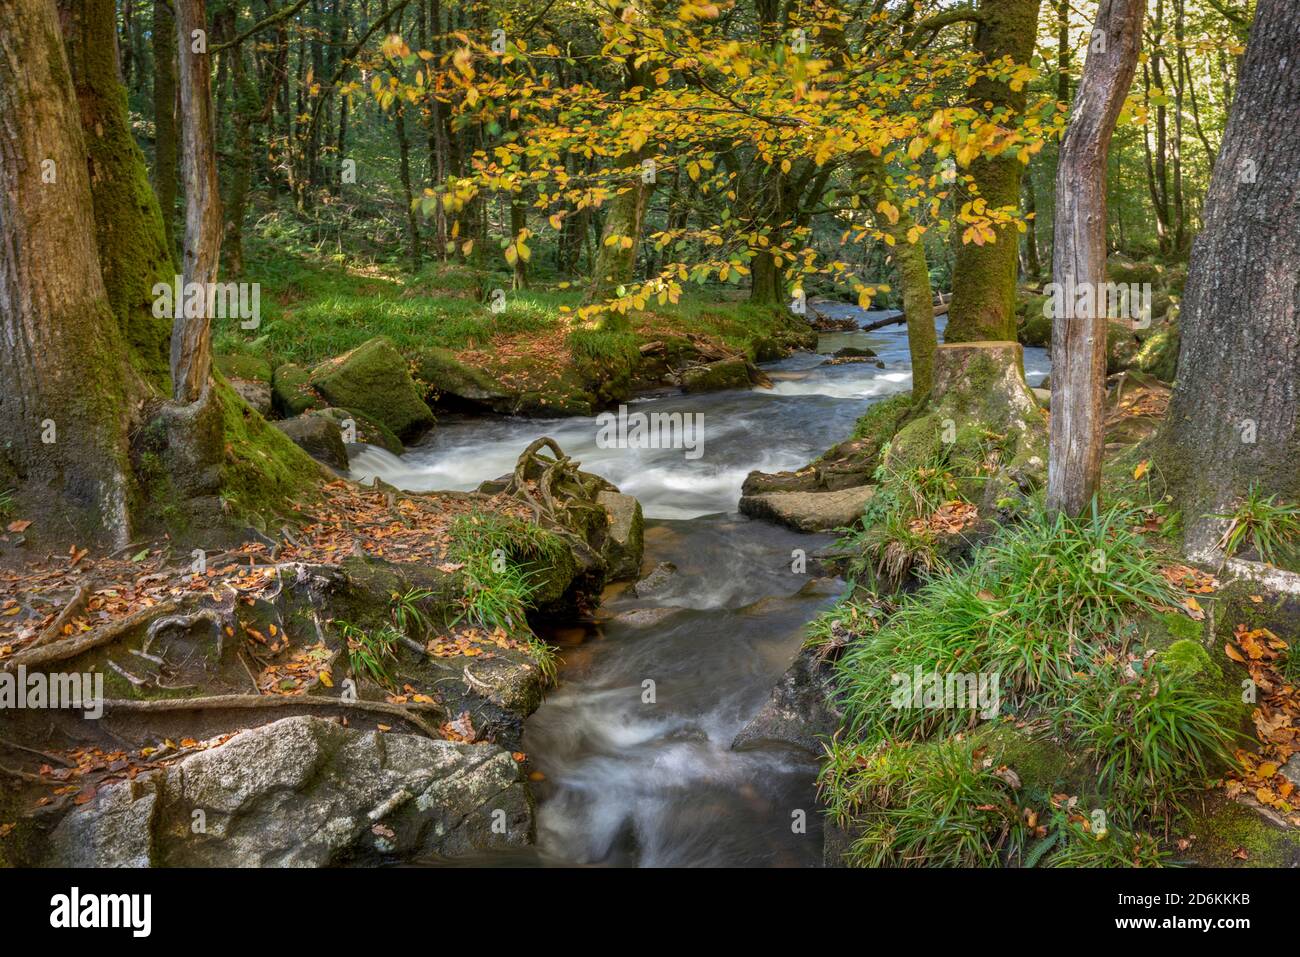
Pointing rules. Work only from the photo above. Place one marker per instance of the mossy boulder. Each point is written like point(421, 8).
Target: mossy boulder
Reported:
point(1123, 270)
point(1158, 354)
point(1033, 327)
point(318, 434)
point(374, 379)
point(625, 539)
point(252, 368)
point(291, 392)
point(1121, 347)
point(446, 375)
point(716, 376)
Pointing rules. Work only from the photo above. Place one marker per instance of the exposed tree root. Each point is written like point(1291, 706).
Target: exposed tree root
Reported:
point(103, 635)
point(233, 702)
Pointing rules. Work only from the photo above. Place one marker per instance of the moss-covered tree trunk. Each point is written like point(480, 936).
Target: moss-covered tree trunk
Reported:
point(913, 271)
point(984, 277)
point(66, 382)
point(164, 117)
point(1235, 415)
point(133, 249)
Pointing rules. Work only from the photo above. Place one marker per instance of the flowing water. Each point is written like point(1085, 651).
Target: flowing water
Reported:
point(635, 743)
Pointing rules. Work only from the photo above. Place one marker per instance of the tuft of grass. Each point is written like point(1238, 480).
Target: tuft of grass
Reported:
point(1153, 737)
point(890, 543)
point(926, 805)
point(7, 503)
point(1265, 523)
point(410, 616)
point(370, 652)
point(502, 555)
point(1031, 608)
point(1075, 844)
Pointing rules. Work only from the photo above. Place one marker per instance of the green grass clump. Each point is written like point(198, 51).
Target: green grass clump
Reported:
point(888, 544)
point(502, 555)
point(922, 805)
point(1031, 608)
point(1153, 737)
point(7, 503)
point(370, 651)
point(1075, 844)
point(1265, 523)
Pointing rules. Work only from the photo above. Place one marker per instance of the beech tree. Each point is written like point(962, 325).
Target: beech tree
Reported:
point(1234, 419)
point(66, 396)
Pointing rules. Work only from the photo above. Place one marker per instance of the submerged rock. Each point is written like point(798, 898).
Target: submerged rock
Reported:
point(660, 577)
point(809, 511)
point(304, 792)
point(374, 379)
point(801, 711)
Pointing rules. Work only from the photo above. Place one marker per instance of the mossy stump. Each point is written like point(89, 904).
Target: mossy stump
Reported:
point(982, 421)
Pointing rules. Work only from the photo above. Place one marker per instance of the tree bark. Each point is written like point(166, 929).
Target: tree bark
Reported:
point(191, 354)
point(133, 251)
point(984, 277)
point(1235, 414)
point(164, 117)
point(63, 408)
point(1079, 260)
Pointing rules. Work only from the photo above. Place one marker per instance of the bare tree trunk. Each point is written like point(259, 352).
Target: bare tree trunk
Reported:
point(64, 407)
point(1079, 259)
point(191, 355)
point(1235, 415)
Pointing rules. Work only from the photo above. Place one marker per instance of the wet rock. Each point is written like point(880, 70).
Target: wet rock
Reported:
point(1044, 397)
point(374, 379)
point(305, 792)
point(291, 392)
point(256, 394)
point(716, 376)
point(357, 427)
point(317, 434)
point(645, 617)
point(800, 711)
point(809, 511)
point(854, 352)
point(625, 540)
point(656, 582)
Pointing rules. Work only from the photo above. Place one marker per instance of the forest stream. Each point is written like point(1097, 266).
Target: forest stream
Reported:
point(630, 781)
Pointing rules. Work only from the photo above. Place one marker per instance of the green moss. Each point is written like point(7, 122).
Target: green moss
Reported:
point(1224, 828)
point(239, 366)
point(373, 378)
point(264, 474)
point(1189, 660)
point(291, 391)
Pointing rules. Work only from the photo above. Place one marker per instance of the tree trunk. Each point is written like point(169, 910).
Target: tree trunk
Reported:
point(164, 117)
point(64, 406)
point(191, 355)
point(404, 169)
point(984, 277)
point(133, 250)
point(913, 270)
point(1235, 414)
point(1079, 260)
